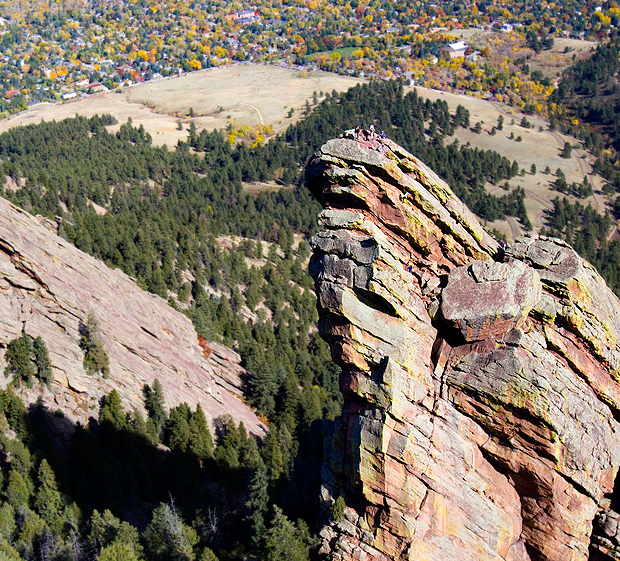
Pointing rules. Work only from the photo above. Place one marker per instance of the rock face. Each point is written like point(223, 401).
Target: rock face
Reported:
point(48, 288)
point(481, 385)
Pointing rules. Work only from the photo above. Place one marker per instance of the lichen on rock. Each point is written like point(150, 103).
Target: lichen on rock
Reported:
point(481, 386)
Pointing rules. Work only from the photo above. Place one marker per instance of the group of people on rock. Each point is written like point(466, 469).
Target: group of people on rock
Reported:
point(370, 137)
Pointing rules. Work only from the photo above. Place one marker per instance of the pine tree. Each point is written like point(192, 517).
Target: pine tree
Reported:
point(118, 551)
point(284, 540)
point(208, 555)
point(17, 490)
point(7, 521)
point(272, 454)
point(7, 552)
point(111, 411)
point(47, 500)
point(19, 360)
point(168, 538)
point(155, 408)
point(137, 423)
point(258, 503)
point(32, 530)
point(42, 360)
point(227, 453)
point(95, 358)
point(200, 439)
point(106, 530)
point(178, 427)
point(17, 416)
point(566, 151)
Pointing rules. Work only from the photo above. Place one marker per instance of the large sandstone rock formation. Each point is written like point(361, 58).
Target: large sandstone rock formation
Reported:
point(481, 386)
point(48, 288)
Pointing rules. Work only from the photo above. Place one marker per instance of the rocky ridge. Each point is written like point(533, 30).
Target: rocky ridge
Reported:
point(481, 385)
point(48, 288)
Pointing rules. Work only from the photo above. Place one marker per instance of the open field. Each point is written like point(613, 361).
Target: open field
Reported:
point(163, 128)
point(246, 94)
point(541, 148)
point(552, 62)
point(243, 94)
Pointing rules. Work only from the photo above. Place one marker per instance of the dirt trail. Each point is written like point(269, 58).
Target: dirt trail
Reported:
point(260, 115)
point(514, 228)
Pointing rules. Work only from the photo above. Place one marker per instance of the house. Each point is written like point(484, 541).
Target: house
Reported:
point(244, 17)
point(96, 87)
point(456, 50)
point(68, 95)
point(9, 94)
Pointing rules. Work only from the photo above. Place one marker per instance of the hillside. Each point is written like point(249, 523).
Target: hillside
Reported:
point(184, 224)
point(254, 102)
point(232, 96)
point(49, 288)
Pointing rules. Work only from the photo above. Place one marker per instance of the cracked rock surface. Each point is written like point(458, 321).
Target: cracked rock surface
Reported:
point(481, 385)
point(48, 287)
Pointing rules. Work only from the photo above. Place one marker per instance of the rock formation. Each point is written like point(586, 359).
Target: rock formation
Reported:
point(481, 384)
point(48, 288)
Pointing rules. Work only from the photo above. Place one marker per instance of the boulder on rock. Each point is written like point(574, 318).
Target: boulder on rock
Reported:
point(488, 299)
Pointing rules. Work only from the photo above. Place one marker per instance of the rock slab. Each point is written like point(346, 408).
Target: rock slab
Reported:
point(481, 386)
point(48, 288)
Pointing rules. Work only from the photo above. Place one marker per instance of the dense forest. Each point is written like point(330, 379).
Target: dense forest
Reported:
point(110, 491)
point(420, 126)
point(184, 225)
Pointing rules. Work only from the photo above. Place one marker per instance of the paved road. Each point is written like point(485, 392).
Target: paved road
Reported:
point(542, 201)
point(538, 218)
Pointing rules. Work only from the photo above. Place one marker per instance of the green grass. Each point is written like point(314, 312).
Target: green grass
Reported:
point(343, 52)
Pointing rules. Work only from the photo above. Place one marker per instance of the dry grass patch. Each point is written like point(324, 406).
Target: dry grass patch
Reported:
point(256, 187)
point(248, 94)
point(541, 148)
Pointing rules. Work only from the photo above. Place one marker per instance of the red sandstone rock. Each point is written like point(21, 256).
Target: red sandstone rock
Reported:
point(47, 287)
point(481, 393)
